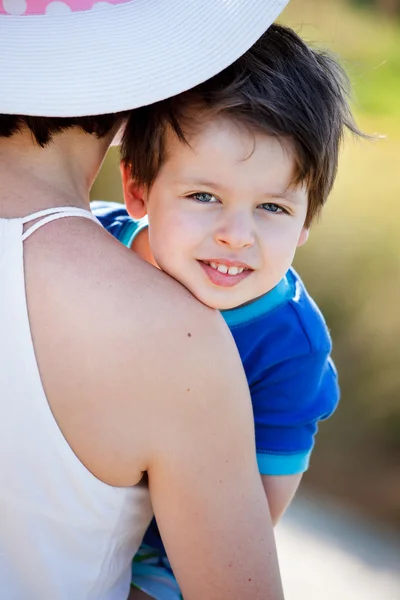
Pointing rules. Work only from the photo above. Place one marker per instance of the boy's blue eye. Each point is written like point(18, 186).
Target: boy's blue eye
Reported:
point(272, 208)
point(204, 197)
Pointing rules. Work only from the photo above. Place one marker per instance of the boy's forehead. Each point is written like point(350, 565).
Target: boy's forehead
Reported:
point(202, 130)
point(216, 149)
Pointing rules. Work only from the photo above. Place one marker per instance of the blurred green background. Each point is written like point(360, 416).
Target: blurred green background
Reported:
point(351, 265)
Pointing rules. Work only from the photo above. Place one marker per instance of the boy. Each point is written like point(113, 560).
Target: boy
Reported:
point(231, 175)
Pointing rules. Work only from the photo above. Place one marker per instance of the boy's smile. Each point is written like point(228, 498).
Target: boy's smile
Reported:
point(224, 218)
point(225, 273)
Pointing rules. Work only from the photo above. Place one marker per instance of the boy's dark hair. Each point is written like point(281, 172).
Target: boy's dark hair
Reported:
point(280, 87)
point(44, 128)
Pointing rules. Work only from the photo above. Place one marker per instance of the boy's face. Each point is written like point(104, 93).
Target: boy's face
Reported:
point(224, 220)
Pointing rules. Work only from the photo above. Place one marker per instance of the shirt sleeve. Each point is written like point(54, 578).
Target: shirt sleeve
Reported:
point(111, 215)
point(288, 401)
point(116, 220)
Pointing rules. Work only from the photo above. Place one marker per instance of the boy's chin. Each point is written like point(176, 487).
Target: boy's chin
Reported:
point(219, 303)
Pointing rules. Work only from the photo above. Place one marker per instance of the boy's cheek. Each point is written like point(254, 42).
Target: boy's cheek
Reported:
point(163, 241)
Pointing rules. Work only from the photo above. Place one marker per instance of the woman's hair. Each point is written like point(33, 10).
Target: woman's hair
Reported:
point(44, 128)
point(280, 87)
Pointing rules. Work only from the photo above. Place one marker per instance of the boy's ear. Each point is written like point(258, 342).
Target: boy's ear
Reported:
point(305, 232)
point(134, 195)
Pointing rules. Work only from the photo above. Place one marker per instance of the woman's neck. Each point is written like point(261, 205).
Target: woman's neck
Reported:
point(61, 174)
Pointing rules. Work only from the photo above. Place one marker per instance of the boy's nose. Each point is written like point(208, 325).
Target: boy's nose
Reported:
point(236, 232)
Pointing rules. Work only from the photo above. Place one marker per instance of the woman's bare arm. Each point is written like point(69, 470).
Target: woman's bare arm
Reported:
point(205, 486)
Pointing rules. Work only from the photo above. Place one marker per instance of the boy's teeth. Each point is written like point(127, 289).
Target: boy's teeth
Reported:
point(224, 269)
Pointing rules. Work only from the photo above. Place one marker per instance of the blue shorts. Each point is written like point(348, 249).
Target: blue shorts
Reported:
point(152, 573)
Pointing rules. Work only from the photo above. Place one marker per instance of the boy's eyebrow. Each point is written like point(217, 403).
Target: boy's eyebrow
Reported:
point(199, 183)
point(287, 194)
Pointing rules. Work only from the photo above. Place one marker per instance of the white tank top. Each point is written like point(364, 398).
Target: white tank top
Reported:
point(64, 535)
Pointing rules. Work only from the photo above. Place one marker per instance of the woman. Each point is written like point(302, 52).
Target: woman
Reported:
point(74, 444)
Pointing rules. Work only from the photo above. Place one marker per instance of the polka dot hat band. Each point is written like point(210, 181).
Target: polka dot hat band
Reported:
point(52, 7)
point(70, 58)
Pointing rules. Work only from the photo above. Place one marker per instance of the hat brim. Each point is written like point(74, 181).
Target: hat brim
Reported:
point(124, 56)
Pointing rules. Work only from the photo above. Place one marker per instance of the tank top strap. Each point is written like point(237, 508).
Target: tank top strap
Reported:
point(52, 214)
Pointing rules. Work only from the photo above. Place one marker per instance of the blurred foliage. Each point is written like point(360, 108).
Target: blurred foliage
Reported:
point(388, 7)
point(351, 264)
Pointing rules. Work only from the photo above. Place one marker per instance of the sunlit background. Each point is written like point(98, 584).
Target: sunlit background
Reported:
point(345, 525)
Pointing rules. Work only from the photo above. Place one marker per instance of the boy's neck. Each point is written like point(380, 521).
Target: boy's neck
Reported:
point(141, 246)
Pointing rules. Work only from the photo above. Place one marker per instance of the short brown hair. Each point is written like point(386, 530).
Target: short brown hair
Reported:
point(281, 87)
point(44, 128)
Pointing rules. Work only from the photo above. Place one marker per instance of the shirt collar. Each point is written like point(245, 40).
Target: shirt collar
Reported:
point(280, 294)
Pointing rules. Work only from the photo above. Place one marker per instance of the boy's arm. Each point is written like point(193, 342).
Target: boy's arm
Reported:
point(288, 402)
point(280, 491)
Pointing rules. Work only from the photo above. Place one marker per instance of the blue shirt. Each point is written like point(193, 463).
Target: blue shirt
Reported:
point(285, 348)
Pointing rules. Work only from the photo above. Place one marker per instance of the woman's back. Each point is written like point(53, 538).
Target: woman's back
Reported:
point(79, 534)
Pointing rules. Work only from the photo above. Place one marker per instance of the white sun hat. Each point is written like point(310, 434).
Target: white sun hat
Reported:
point(74, 58)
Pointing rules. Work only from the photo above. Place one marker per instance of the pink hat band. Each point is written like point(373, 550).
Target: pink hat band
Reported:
point(53, 7)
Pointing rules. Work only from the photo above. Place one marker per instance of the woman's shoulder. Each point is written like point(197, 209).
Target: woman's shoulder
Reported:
point(134, 337)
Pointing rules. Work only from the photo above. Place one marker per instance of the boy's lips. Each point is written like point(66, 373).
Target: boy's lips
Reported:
point(224, 272)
